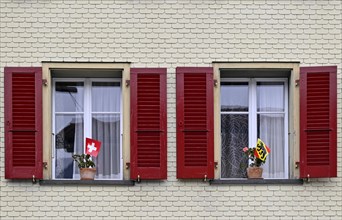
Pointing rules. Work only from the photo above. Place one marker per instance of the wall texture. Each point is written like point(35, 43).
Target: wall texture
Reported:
point(170, 34)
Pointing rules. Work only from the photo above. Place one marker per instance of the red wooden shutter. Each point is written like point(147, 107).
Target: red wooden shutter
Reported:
point(318, 116)
point(148, 123)
point(23, 123)
point(195, 126)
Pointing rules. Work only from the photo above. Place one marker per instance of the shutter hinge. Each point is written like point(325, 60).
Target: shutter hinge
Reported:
point(45, 165)
point(128, 82)
point(216, 164)
point(45, 82)
point(128, 164)
point(215, 82)
point(297, 163)
point(297, 82)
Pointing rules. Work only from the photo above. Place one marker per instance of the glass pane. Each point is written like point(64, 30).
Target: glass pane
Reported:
point(234, 137)
point(234, 96)
point(69, 97)
point(68, 141)
point(271, 132)
point(270, 96)
point(106, 128)
point(105, 97)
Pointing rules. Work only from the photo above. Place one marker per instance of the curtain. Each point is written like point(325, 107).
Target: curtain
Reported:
point(106, 107)
point(271, 126)
point(106, 128)
point(272, 134)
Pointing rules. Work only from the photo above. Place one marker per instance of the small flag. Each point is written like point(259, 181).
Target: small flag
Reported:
point(92, 147)
point(262, 150)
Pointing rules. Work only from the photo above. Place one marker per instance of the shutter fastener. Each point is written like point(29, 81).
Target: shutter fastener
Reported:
point(308, 178)
point(205, 178)
point(128, 83)
point(138, 180)
point(34, 179)
point(45, 165)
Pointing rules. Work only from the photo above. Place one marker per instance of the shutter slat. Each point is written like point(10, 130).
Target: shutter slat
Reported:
point(23, 116)
point(318, 113)
point(148, 123)
point(195, 143)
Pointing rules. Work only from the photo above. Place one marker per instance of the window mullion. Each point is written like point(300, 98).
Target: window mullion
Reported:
point(87, 110)
point(252, 113)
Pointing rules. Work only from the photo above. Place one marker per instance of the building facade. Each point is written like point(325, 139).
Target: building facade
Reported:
point(174, 90)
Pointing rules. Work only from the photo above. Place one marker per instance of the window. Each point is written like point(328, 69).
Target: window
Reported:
point(87, 107)
point(253, 108)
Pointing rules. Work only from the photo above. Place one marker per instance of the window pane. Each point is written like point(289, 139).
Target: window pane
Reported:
point(270, 96)
point(106, 128)
point(271, 131)
point(105, 97)
point(69, 97)
point(234, 137)
point(234, 96)
point(68, 141)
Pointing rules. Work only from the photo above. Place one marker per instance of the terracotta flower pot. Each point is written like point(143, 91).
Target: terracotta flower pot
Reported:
point(254, 172)
point(87, 173)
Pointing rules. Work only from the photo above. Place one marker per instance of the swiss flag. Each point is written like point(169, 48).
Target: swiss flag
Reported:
point(92, 147)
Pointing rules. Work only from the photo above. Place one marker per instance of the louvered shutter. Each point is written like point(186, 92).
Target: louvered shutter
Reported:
point(148, 123)
point(23, 123)
point(318, 116)
point(195, 128)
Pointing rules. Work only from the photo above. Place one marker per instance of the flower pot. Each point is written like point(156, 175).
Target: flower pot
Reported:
point(87, 173)
point(254, 172)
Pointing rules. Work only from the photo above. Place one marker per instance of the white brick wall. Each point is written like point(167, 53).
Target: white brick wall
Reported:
point(170, 34)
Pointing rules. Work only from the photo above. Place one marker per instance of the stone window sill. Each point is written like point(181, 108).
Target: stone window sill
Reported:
point(86, 182)
point(257, 182)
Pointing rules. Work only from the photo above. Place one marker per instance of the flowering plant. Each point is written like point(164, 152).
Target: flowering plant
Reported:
point(250, 152)
point(257, 154)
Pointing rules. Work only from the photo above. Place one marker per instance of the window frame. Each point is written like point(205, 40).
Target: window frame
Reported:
point(121, 68)
point(253, 114)
point(87, 114)
point(292, 68)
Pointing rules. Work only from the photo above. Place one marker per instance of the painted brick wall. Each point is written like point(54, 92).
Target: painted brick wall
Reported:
point(169, 34)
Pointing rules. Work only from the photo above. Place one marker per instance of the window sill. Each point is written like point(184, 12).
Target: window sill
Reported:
point(86, 182)
point(258, 182)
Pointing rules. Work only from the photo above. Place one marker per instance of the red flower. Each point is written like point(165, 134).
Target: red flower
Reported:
point(245, 149)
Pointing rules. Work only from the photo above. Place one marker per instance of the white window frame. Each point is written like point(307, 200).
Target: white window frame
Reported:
point(87, 113)
point(252, 115)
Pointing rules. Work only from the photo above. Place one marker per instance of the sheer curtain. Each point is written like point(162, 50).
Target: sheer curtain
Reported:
point(106, 105)
point(272, 133)
point(271, 126)
point(78, 143)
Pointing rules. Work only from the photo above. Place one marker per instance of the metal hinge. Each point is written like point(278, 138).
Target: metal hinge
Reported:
point(128, 82)
point(215, 82)
point(297, 82)
point(128, 164)
point(45, 82)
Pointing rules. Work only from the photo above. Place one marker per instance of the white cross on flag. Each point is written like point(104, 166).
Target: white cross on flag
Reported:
point(92, 147)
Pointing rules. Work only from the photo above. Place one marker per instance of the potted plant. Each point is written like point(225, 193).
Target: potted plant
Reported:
point(86, 165)
point(258, 156)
